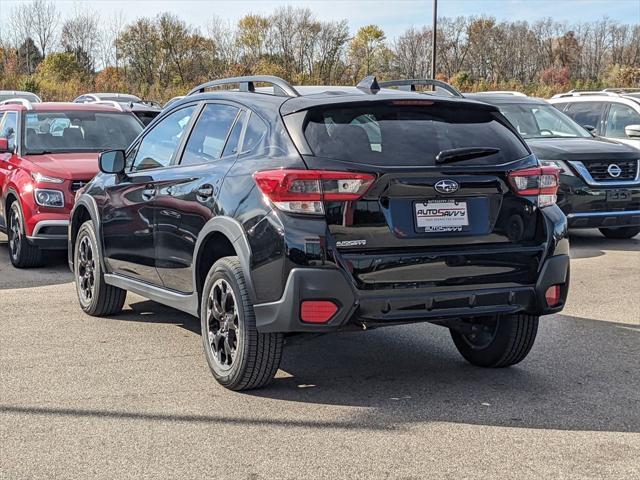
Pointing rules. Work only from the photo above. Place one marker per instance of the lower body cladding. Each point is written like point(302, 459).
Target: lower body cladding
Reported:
point(324, 300)
point(50, 235)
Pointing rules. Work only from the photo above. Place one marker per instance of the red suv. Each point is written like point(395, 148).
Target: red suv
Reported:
point(47, 152)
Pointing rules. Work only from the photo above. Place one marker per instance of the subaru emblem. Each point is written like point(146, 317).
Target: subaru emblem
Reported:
point(614, 170)
point(446, 186)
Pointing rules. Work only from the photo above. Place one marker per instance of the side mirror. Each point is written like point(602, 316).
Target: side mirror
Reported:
point(589, 128)
point(4, 145)
point(632, 131)
point(112, 161)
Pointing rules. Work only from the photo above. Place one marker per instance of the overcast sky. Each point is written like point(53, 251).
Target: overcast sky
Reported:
point(394, 16)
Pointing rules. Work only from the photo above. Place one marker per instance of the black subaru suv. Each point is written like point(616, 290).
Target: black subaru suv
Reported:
point(599, 178)
point(272, 210)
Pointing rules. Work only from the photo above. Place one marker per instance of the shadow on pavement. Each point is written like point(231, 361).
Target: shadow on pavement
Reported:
point(54, 270)
point(147, 311)
point(582, 374)
point(590, 244)
point(586, 378)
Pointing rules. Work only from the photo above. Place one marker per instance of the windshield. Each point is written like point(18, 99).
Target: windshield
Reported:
point(414, 134)
point(542, 121)
point(79, 131)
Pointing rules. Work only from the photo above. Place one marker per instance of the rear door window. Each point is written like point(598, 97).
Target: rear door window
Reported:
point(619, 117)
point(586, 113)
point(207, 140)
point(409, 135)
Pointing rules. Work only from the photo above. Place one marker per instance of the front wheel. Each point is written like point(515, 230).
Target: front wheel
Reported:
point(239, 357)
point(21, 252)
point(96, 297)
point(500, 341)
point(620, 233)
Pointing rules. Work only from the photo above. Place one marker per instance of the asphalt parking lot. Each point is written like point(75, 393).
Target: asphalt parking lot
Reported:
point(131, 396)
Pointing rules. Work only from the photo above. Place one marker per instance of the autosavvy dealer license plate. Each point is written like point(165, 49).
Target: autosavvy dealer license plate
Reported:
point(441, 216)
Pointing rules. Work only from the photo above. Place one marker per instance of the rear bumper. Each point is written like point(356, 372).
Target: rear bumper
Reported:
point(389, 306)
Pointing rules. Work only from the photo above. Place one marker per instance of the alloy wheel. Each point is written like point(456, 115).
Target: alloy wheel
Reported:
point(86, 269)
point(223, 325)
point(15, 234)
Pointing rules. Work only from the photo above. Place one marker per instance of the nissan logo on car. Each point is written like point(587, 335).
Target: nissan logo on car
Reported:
point(614, 170)
point(447, 186)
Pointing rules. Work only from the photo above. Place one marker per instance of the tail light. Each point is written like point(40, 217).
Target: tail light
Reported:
point(304, 191)
point(541, 182)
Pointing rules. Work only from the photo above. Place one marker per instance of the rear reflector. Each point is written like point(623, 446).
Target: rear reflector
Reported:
point(552, 295)
point(304, 191)
point(541, 182)
point(317, 311)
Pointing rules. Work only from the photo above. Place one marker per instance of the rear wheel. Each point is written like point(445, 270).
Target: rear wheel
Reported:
point(620, 233)
point(239, 357)
point(497, 342)
point(22, 253)
point(96, 297)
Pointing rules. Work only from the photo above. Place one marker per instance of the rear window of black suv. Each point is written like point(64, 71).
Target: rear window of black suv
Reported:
point(406, 133)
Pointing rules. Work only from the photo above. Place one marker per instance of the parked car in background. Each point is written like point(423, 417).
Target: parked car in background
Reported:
point(145, 110)
point(612, 113)
point(113, 97)
point(317, 209)
point(9, 94)
point(48, 151)
point(600, 178)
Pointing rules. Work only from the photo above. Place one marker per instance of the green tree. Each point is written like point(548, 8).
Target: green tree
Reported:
point(367, 51)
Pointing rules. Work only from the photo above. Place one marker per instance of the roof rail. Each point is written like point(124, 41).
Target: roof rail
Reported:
point(149, 103)
point(622, 90)
point(282, 88)
point(501, 92)
point(411, 85)
point(586, 93)
point(110, 103)
point(18, 101)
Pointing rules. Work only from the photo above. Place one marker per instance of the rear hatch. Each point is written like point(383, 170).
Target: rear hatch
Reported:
point(441, 211)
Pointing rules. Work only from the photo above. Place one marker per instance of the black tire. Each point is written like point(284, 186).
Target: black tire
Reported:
point(620, 233)
point(500, 342)
point(240, 358)
point(96, 297)
point(22, 253)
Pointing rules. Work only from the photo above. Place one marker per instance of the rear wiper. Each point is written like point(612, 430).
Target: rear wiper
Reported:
point(466, 153)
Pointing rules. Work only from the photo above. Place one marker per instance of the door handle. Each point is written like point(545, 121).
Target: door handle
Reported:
point(204, 192)
point(149, 192)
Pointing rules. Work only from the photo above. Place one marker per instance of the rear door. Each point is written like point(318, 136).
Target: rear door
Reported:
point(128, 218)
point(187, 193)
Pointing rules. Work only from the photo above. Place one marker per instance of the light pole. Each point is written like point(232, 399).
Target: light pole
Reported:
point(433, 41)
